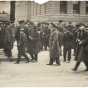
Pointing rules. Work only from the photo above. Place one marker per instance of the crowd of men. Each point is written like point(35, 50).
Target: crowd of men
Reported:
point(32, 38)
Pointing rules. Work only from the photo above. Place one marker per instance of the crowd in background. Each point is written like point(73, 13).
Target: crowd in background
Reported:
point(32, 38)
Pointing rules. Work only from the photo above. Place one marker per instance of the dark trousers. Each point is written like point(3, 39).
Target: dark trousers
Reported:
point(34, 56)
point(65, 52)
point(45, 44)
point(54, 59)
point(7, 49)
point(81, 57)
point(78, 64)
point(19, 58)
point(22, 53)
point(77, 50)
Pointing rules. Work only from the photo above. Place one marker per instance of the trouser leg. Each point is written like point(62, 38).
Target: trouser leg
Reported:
point(86, 64)
point(74, 51)
point(45, 45)
point(76, 54)
point(18, 59)
point(69, 54)
point(19, 55)
point(41, 45)
point(26, 57)
point(64, 53)
point(77, 65)
point(8, 53)
point(57, 60)
point(51, 61)
point(32, 56)
point(60, 51)
point(36, 57)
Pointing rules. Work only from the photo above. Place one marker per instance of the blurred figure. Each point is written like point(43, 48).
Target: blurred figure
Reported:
point(9, 38)
point(67, 43)
point(45, 34)
point(60, 28)
point(82, 49)
point(21, 37)
point(33, 44)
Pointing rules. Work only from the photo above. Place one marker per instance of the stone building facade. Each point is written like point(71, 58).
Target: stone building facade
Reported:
point(76, 11)
point(53, 11)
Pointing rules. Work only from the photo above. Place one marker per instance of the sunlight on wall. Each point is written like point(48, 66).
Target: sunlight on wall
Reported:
point(41, 1)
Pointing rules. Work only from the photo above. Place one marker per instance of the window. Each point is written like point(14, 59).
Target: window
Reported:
point(76, 7)
point(86, 7)
point(63, 7)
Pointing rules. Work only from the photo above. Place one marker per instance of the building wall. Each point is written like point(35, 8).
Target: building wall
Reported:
point(5, 6)
point(50, 11)
point(20, 11)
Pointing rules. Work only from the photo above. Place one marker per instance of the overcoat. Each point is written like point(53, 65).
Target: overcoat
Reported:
point(21, 37)
point(54, 45)
point(9, 37)
point(33, 42)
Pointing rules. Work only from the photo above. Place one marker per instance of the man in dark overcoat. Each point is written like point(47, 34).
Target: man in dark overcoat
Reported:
point(33, 44)
point(67, 45)
point(54, 46)
point(45, 34)
point(22, 40)
point(82, 49)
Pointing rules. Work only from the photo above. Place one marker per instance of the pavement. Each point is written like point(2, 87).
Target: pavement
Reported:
point(41, 75)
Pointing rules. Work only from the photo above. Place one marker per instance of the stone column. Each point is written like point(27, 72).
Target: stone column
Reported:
point(82, 7)
point(58, 2)
point(12, 11)
point(32, 8)
point(38, 9)
point(35, 9)
point(69, 7)
point(28, 10)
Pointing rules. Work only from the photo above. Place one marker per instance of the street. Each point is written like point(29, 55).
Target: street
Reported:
point(40, 74)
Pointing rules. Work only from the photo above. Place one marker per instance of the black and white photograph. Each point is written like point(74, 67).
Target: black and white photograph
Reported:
point(43, 43)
